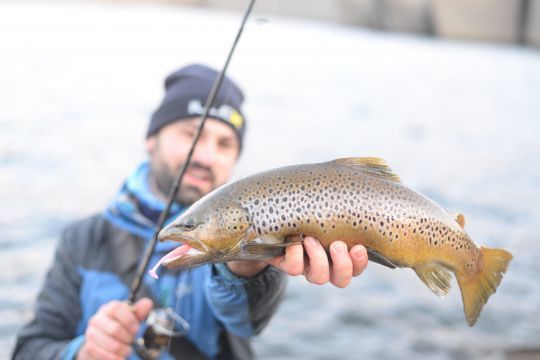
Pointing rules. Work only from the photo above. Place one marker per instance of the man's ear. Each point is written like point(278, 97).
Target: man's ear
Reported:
point(151, 144)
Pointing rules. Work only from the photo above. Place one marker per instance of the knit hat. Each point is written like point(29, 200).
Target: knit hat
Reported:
point(186, 91)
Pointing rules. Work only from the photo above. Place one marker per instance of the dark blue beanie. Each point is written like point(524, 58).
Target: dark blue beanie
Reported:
point(186, 91)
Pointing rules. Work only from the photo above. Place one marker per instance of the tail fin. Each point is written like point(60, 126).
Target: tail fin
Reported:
point(475, 290)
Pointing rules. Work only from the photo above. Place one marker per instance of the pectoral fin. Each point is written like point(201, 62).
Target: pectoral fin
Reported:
point(266, 247)
point(379, 259)
point(261, 250)
point(436, 277)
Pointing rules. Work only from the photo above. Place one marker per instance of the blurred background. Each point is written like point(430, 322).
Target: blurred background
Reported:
point(447, 91)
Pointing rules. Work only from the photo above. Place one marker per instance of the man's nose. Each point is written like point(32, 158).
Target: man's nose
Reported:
point(205, 152)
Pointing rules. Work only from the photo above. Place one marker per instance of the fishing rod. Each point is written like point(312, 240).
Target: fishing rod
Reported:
point(137, 281)
point(162, 328)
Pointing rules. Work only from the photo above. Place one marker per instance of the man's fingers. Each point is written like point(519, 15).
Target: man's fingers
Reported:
point(93, 352)
point(359, 259)
point(342, 265)
point(317, 271)
point(123, 313)
point(292, 262)
point(316, 267)
point(107, 343)
point(111, 327)
point(142, 308)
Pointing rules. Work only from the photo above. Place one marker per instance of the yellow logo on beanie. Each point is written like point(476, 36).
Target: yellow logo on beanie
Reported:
point(236, 119)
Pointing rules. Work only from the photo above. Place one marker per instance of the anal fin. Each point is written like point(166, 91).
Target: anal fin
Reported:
point(436, 277)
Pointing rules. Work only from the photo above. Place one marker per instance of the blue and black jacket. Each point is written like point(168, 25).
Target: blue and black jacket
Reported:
point(95, 263)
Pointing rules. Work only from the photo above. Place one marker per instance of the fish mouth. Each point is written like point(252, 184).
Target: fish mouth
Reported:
point(190, 258)
point(170, 233)
point(191, 253)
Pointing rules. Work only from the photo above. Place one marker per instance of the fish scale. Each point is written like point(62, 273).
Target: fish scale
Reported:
point(303, 200)
point(356, 200)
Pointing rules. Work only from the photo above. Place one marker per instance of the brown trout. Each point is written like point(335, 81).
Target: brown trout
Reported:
point(357, 200)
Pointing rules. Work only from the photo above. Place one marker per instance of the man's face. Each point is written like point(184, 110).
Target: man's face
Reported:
point(212, 162)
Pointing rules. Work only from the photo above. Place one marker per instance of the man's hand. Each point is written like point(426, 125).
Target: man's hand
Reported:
point(112, 329)
point(316, 267)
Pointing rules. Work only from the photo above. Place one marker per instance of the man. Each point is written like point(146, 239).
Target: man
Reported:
point(82, 313)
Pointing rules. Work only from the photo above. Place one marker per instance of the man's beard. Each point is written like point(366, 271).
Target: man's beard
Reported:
point(187, 194)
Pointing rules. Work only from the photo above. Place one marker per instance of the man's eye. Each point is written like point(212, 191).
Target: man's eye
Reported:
point(188, 134)
point(226, 144)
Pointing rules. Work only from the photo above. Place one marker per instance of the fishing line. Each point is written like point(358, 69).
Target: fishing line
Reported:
point(136, 284)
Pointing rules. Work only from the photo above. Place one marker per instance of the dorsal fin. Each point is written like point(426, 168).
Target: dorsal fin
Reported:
point(373, 165)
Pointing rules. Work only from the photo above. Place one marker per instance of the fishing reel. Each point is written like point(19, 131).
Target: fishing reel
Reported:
point(163, 325)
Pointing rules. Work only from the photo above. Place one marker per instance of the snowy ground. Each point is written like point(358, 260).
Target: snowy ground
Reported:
point(457, 121)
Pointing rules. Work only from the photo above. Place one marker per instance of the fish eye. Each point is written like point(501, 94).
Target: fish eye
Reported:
point(187, 226)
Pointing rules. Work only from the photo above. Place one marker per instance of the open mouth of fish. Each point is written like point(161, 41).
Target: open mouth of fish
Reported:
point(190, 253)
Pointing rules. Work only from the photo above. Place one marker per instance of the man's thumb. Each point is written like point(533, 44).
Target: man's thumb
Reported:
point(142, 308)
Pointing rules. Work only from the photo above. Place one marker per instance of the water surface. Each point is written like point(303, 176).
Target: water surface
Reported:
point(457, 121)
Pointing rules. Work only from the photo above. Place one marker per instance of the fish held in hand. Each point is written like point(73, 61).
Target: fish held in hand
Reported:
point(356, 200)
